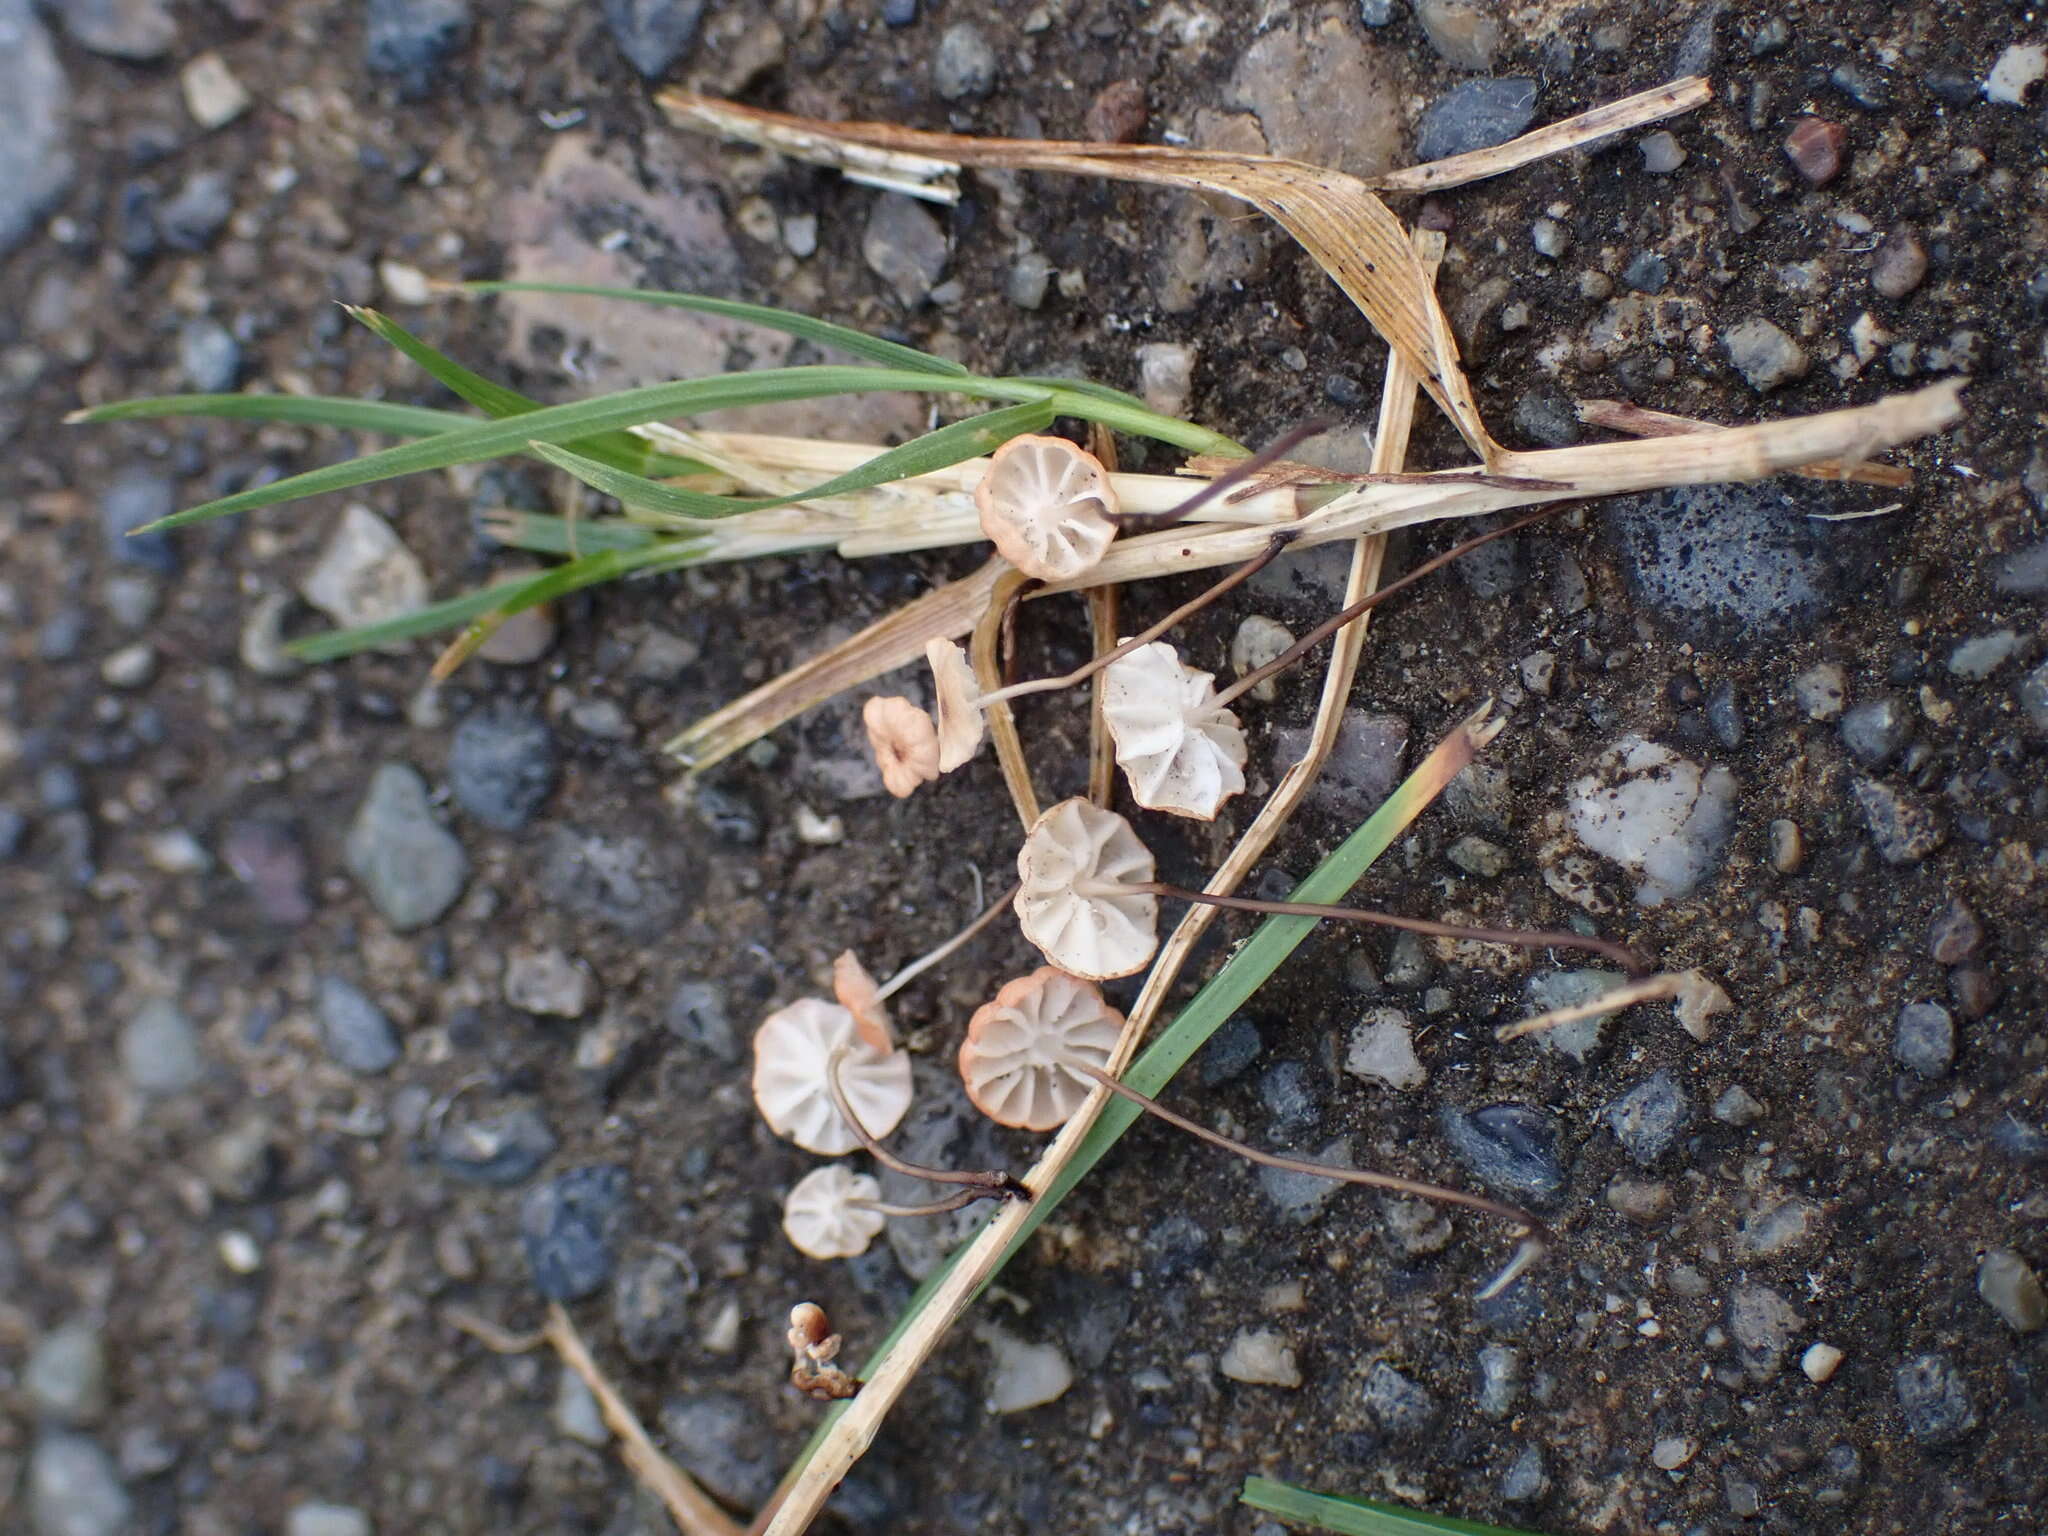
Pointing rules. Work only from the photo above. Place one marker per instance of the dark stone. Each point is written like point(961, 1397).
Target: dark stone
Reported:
point(1904, 828)
point(135, 231)
point(1402, 1408)
point(650, 1304)
point(1876, 729)
point(355, 1031)
point(35, 164)
point(1866, 87)
point(503, 1148)
point(697, 1014)
point(1233, 1048)
point(729, 814)
point(1924, 1039)
point(619, 881)
point(653, 34)
point(233, 1392)
point(501, 766)
point(411, 39)
point(64, 633)
point(1650, 1117)
point(1647, 272)
point(1698, 48)
point(137, 497)
point(964, 66)
point(1476, 115)
point(2024, 572)
point(722, 1442)
point(1974, 990)
point(1509, 1147)
point(1288, 1093)
point(1545, 416)
point(1724, 715)
point(1934, 1400)
point(268, 860)
point(1955, 934)
point(198, 212)
point(899, 13)
point(572, 1225)
point(1492, 570)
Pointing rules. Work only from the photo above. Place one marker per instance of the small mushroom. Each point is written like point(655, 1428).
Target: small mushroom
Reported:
point(1181, 751)
point(960, 727)
point(825, 1217)
point(904, 741)
point(1075, 900)
point(1047, 506)
point(860, 996)
point(1019, 1058)
point(795, 1048)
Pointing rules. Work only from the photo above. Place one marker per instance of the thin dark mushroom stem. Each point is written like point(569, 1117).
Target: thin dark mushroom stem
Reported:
point(1129, 523)
point(1343, 616)
point(930, 958)
point(991, 1183)
point(965, 1197)
point(1393, 1181)
point(1526, 938)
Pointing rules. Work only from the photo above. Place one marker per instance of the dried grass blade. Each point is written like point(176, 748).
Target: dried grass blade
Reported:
point(1648, 990)
point(1639, 110)
point(1002, 722)
point(1640, 421)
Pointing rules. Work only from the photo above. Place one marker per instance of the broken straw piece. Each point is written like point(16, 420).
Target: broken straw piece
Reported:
point(1181, 751)
point(1074, 901)
point(1047, 506)
point(794, 1049)
point(1019, 1054)
point(821, 1217)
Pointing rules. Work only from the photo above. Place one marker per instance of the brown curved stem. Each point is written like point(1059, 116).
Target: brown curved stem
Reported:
point(1129, 523)
point(1343, 616)
point(1527, 938)
point(1365, 1176)
point(989, 1184)
point(966, 1197)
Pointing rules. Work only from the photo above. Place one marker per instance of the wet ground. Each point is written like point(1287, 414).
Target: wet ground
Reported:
point(280, 1074)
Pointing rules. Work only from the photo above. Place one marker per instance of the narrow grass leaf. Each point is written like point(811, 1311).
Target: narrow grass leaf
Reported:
point(1356, 1517)
point(294, 410)
point(1082, 387)
point(949, 445)
point(546, 534)
point(585, 571)
point(622, 450)
point(333, 644)
point(888, 354)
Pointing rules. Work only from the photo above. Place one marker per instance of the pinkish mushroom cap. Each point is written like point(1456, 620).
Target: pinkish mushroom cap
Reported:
point(1018, 1060)
point(960, 719)
point(1074, 901)
point(791, 1051)
point(904, 741)
point(1181, 751)
point(860, 996)
point(1047, 506)
point(821, 1217)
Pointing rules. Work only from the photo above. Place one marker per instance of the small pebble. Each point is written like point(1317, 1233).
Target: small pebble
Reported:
point(964, 65)
point(411, 41)
point(365, 573)
point(66, 1374)
point(209, 356)
point(1876, 730)
point(198, 212)
point(1382, 1049)
point(1030, 278)
point(213, 95)
point(1403, 1408)
point(74, 1489)
point(724, 1444)
point(1476, 115)
point(137, 497)
point(1788, 847)
point(1650, 1117)
point(576, 1411)
point(1904, 829)
point(315, 1518)
point(904, 246)
point(1737, 1106)
point(1820, 1362)
point(1662, 153)
point(1550, 238)
point(1639, 1200)
point(2010, 1288)
point(1762, 1323)
point(1465, 33)
point(1166, 379)
point(1526, 1480)
point(1500, 1380)
point(1023, 1374)
point(1510, 1147)
point(650, 1302)
point(501, 766)
point(356, 1032)
point(1656, 813)
point(411, 867)
point(1260, 1358)
point(1980, 657)
point(501, 1149)
point(1821, 691)
point(1647, 272)
point(160, 1050)
point(1954, 935)
point(1900, 264)
point(571, 1227)
point(2018, 70)
point(133, 666)
point(1934, 1400)
point(1815, 149)
point(1764, 355)
point(1673, 1452)
point(1117, 114)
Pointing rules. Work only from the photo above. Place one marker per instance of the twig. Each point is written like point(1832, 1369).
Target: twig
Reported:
point(1647, 990)
point(692, 1509)
point(993, 1182)
point(1640, 421)
point(1002, 724)
point(1103, 603)
point(497, 1339)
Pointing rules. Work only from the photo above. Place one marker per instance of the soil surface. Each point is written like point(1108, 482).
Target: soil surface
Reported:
point(261, 1134)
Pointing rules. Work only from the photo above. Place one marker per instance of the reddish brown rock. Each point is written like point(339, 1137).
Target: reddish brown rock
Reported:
point(1117, 115)
point(1814, 147)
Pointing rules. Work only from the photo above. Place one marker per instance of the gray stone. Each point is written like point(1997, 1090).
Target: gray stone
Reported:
point(132, 597)
point(1511, 1148)
point(269, 862)
point(1979, 658)
point(146, 1451)
point(1955, 934)
point(653, 34)
point(409, 865)
point(697, 1014)
point(904, 246)
point(618, 881)
point(1659, 815)
point(209, 357)
point(1499, 1380)
point(353, 1029)
point(1647, 272)
point(74, 1488)
point(160, 1050)
point(1650, 1117)
point(1030, 276)
point(232, 1392)
point(1377, 13)
point(136, 497)
point(1900, 264)
point(1481, 795)
point(1403, 1409)
point(1875, 730)
point(1288, 1094)
point(1763, 354)
point(1527, 1480)
point(1924, 1039)
point(365, 574)
point(650, 1303)
point(140, 30)
point(501, 1148)
point(1476, 115)
point(66, 1375)
point(1724, 715)
point(576, 1412)
point(198, 211)
point(1547, 990)
point(1465, 33)
point(318, 1518)
point(571, 1227)
point(722, 1442)
point(1320, 93)
point(1820, 691)
point(964, 64)
point(2010, 1288)
point(1662, 154)
point(546, 980)
point(1228, 1052)
point(1934, 1400)
point(1363, 766)
point(1737, 1106)
point(1300, 1197)
point(501, 766)
point(1762, 1324)
point(1382, 1049)
point(2024, 572)
point(410, 40)
point(35, 161)
point(1787, 1227)
point(1904, 828)
point(2033, 693)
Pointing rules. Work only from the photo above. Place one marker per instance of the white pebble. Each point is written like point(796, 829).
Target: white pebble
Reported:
point(239, 1252)
point(1819, 1361)
point(1260, 1358)
point(2017, 71)
point(1383, 1049)
point(1657, 814)
point(818, 831)
point(1023, 1375)
point(404, 284)
point(1673, 1452)
point(213, 95)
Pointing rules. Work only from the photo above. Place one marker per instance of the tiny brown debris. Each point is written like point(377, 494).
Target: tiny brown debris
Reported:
point(1117, 114)
point(816, 1346)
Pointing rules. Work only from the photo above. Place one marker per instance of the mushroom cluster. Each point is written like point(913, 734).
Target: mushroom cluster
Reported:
point(1076, 897)
point(1022, 1049)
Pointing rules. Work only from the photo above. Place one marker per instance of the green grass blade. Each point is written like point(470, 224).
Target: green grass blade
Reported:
point(1081, 387)
point(621, 450)
point(1355, 1517)
point(887, 354)
point(1133, 417)
point(949, 445)
point(294, 410)
point(546, 534)
point(333, 644)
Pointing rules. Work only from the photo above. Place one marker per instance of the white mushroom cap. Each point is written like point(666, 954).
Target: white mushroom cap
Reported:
point(860, 996)
point(1181, 751)
point(821, 1219)
point(904, 741)
point(791, 1049)
point(1047, 506)
point(1017, 1059)
point(1073, 903)
point(960, 720)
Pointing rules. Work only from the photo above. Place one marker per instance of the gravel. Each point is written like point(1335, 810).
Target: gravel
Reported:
point(1568, 989)
point(209, 357)
point(653, 34)
point(316, 1518)
point(1382, 1050)
point(411, 41)
point(35, 164)
point(964, 66)
point(74, 1489)
point(189, 220)
point(1260, 1357)
point(1924, 1039)
point(1662, 153)
point(1403, 1408)
point(1300, 1197)
point(502, 1147)
point(2010, 1288)
point(1464, 33)
point(650, 1302)
point(1978, 658)
point(1737, 1106)
point(1900, 264)
point(66, 1375)
point(1476, 115)
point(904, 246)
point(1527, 1480)
point(1934, 1400)
point(1228, 1052)
point(1763, 354)
point(354, 1030)
point(1511, 1148)
point(1903, 827)
point(501, 766)
point(1876, 730)
point(1659, 815)
point(1290, 1097)
point(160, 1051)
point(1815, 147)
point(571, 1227)
point(1650, 1117)
point(719, 1440)
point(365, 573)
point(1498, 1380)
point(1762, 1324)
point(411, 867)
point(134, 498)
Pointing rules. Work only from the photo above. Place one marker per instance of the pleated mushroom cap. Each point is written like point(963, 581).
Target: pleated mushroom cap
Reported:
point(1019, 1055)
point(819, 1215)
point(791, 1049)
point(959, 695)
point(904, 741)
point(1073, 901)
point(1047, 506)
point(1180, 751)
